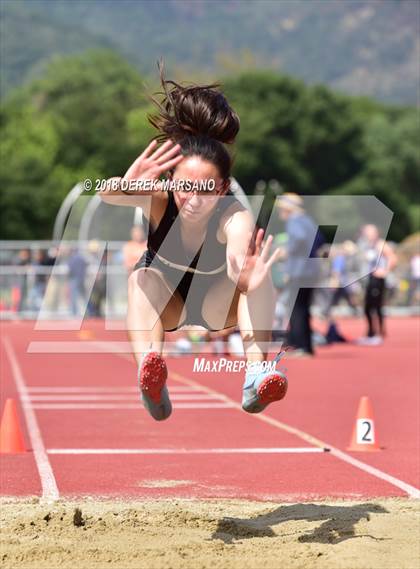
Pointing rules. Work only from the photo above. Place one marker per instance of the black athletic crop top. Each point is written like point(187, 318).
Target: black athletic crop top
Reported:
point(165, 241)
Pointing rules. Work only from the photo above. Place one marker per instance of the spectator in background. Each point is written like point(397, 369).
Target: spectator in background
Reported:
point(340, 270)
point(77, 266)
point(24, 260)
point(279, 281)
point(381, 260)
point(95, 258)
point(414, 284)
point(102, 285)
point(56, 285)
point(339, 276)
point(303, 241)
point(134, 249)
point(40, 263)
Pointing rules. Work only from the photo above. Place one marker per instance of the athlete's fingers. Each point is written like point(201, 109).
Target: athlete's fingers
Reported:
point(170, 163)
point(133, 170)
point(161, 150)
point(258, 240)
point(149, 149)
point(266, 248)
point(169, 154)
point(274, 257)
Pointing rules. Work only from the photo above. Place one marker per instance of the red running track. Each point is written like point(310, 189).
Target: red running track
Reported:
point(88, 435)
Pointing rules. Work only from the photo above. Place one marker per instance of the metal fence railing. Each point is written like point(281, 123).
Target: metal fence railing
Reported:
point(62, 279)
point(65, 279)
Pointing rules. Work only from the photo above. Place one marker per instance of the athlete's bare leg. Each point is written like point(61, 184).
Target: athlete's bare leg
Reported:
point(254, 314)
point(255, 319)
point(152, 309)
point(225, 306)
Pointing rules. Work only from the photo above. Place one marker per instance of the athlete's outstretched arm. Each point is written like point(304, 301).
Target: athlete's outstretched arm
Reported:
point(238, 230)
point(248, 260)
point(151, 164)
point(248, 266)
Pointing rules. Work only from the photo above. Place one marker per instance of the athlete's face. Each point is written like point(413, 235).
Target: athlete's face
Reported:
point(195, 206)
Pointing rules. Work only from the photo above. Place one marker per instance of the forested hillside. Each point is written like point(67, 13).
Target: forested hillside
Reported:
point(86, 118)
point(358, 46)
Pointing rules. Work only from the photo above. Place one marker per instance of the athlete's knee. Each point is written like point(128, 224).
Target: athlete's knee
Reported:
point(134, 281)
point(220, 310)
point(143, 282)
point(215, 320)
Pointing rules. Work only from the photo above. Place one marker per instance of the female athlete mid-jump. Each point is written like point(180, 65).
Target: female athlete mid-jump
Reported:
point(201, 240)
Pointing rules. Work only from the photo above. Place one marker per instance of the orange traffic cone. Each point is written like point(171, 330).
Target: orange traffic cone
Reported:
point(86, 335)
point(11, 438)
point(364, 432)
point(15, 298)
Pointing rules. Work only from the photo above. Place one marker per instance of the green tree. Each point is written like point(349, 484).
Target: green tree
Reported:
point(87, 118)
point(307, 138)
point(67, 126)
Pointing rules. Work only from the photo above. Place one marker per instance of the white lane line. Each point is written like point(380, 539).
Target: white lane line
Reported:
point(101, 389)
point(101, 346)
point(412, 491)
point(79, 347)
point(275, 450)
point(135, 406)
point(46, 475)
point(129, 397)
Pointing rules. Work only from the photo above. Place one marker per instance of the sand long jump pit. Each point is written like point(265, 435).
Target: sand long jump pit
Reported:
point(191, 534)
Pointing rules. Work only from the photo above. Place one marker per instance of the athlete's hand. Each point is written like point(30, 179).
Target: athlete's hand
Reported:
point(155, 161)
point(250, 271)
